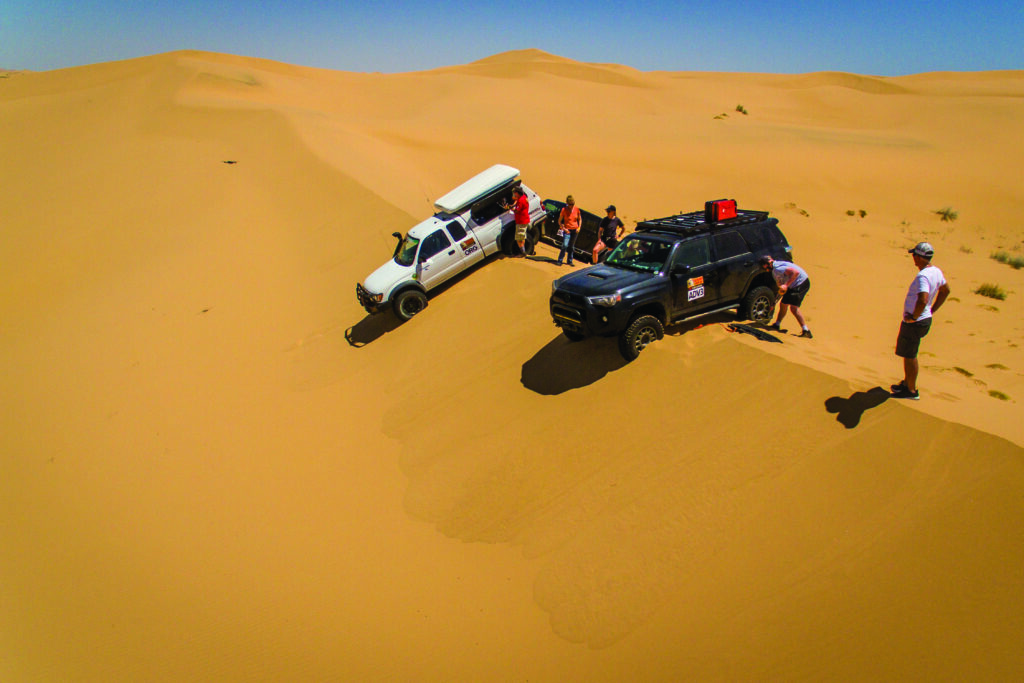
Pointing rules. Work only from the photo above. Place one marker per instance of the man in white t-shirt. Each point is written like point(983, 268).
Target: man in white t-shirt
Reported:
point(926, 294)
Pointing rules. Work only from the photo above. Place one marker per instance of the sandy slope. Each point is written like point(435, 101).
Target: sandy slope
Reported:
point(216, 467)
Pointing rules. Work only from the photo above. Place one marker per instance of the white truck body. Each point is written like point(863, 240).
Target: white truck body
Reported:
point(470, 225)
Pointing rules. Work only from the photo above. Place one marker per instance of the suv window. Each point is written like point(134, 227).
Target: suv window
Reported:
point(693, 253)
point(456, 230)
point(729, 244)
point(755, 237)
point(433, 244)
point(771, 234)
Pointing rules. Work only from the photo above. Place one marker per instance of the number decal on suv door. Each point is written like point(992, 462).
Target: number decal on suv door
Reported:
point(694, 294)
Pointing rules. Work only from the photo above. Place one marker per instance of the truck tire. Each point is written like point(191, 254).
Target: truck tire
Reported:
point(409, 303)
point(758, 305)
point(508, 241)
point(641, 332)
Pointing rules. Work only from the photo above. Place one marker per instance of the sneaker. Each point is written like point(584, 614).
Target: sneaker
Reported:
point(898, 387)
point(774, 327)
point(558, 263)
point(568, 263)
point(904, 392)
point(806, 334)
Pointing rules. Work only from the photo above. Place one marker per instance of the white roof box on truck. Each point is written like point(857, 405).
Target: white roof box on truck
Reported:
point(476, 188)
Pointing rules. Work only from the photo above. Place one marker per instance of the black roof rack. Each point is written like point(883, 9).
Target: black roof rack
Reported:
point(694, 222)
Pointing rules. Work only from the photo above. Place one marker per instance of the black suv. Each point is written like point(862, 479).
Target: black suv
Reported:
point(670, 269)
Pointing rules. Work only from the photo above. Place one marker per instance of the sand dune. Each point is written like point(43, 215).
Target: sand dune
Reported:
point(217, 467)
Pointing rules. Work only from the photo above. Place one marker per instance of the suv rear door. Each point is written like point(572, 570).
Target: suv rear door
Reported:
point(734, 264)
point(695, 279)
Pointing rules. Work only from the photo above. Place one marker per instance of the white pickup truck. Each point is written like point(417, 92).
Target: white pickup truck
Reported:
point(471, 223)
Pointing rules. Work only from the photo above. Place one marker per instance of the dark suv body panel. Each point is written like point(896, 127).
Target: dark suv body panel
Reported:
point(670, 268)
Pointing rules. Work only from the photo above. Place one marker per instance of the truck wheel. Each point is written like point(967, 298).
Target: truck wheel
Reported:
point(638, 335)
point(533, 237)
point(508, 242)
point(409, 303)
point(758, 305)
point(573, 336)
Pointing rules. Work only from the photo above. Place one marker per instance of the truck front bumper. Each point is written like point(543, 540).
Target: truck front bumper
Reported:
point(371, 303)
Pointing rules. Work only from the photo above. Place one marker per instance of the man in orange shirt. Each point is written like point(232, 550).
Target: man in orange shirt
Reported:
point(569, 228)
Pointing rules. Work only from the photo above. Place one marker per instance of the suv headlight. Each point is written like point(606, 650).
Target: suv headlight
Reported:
point(607, 300)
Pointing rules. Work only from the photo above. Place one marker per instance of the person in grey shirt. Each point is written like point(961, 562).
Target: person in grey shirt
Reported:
point(793, 284)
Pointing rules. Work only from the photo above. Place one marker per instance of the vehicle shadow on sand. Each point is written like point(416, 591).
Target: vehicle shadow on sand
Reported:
point(371, 328)
point(849, 410)
point(563, 365)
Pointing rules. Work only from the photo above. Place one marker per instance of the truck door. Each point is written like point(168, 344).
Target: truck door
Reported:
point(734, 264)
point(439, 259)
point(695, 282)
point(466, 242)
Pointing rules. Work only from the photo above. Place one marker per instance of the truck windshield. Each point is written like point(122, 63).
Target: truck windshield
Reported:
point(639, 253)
point(406, 254)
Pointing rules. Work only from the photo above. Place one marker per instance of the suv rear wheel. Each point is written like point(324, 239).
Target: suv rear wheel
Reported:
point(758, 305)
point(641, 332)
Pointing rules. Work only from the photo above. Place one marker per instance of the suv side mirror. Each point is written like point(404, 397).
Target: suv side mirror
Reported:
point(680, 268)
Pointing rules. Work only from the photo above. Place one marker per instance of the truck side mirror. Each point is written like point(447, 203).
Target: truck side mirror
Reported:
point(680, 269)
point(397, 236)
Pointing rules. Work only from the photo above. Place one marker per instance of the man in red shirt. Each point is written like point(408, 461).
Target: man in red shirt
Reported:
point(521, 213)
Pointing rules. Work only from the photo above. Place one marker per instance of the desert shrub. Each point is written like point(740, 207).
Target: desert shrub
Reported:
point(996, 366)
point(947, 214)
point(962, 371)
point(998, 394)
point(740, 109)
point(1015, 262)
point(991, 291)
point(851, 212)
point(965, 249)
point(862, 213)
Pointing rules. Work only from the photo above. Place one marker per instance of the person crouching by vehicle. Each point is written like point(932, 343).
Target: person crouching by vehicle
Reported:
point(568, 228)
point(793, 284)
point(609, 233)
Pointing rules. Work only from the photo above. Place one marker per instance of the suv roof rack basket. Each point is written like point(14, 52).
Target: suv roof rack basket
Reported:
point(695, 222)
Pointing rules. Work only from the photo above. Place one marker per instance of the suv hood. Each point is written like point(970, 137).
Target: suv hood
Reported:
point(387, 276)
point(601, 279)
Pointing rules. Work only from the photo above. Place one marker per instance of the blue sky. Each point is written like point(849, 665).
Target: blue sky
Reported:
point(880, 37)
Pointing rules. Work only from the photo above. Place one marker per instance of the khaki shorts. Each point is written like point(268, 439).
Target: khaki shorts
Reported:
point(521, 229)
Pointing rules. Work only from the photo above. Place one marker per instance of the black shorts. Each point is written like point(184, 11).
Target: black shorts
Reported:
point(795, 296)
point(909, 339)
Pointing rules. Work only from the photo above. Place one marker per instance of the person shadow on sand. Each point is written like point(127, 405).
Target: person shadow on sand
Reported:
point(849, 410)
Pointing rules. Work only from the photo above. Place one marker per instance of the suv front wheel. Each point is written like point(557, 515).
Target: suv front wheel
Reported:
point(641, 332)
point(758, 305)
